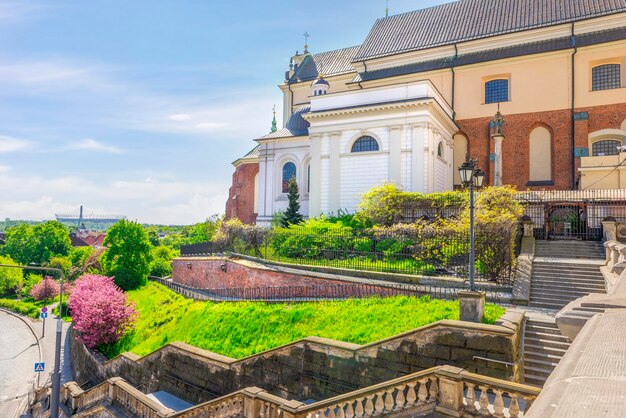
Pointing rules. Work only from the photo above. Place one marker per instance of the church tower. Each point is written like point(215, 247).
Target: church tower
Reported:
point(319, 86)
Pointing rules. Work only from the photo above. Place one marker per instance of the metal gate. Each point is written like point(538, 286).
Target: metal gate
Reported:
point(572, 215)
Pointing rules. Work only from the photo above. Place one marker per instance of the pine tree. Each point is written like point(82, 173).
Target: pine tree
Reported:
point(292, 216)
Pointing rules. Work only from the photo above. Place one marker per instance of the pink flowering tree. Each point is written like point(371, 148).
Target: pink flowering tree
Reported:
point(48, 288)
point(100, 310)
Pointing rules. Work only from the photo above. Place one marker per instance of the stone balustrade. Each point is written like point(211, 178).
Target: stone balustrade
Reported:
point(450, 391)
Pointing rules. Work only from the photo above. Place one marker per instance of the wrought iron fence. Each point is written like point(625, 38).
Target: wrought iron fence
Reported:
point(318, 292)
point(406, 250)
point(572, 214)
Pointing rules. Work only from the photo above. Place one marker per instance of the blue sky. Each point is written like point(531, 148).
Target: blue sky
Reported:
point(139, 107)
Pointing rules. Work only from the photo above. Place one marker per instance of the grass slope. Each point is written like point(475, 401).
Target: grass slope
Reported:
point(241, 329)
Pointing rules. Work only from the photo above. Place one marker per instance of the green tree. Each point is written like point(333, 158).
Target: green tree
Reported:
point(62, 263)
point(292, 215)
point(50, 239)
point(128, 255)
point(10, 279)
point(19, 243)
point(201, 232)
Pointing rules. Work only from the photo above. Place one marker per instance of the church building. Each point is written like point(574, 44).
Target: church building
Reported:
point(418, 96)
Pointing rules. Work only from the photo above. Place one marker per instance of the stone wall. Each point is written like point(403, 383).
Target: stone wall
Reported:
point(313, 368)
point(240, 203)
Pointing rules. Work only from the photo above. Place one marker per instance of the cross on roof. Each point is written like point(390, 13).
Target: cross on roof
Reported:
point(306, 42)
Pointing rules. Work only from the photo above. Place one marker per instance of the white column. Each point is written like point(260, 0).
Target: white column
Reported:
point(497, 175)
point(395, 155)
point(417, 158)
point(334, 172)
point(266, 183)
point(315, 192)
point(433, 142)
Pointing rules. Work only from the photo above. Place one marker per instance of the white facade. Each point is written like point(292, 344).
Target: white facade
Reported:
point(412, 128)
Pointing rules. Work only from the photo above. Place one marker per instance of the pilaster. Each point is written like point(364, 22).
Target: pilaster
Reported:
point(497, 175)
point(417, 157)
point(334, 172)
point(395, 155)
point(315, 192)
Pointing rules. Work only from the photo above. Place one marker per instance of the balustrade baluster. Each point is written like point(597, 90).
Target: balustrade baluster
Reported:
point(434, 389)
point(379, 405)
point(498, 404)
point(262, 411)
point(399, 398)
point(331, 412)
point(350, 410)
point(411, 396)
point(340, 411)
point(359, 407)
point(529, 403)
point(422, 392)
point(483, 401)
point(369, 406)
point(389, 401)
point(471, 397)
point(513, 406)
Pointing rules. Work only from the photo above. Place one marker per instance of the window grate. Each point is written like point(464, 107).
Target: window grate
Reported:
point(364, 144)
point(606, 147)
point(606, 77)
point(497, 91)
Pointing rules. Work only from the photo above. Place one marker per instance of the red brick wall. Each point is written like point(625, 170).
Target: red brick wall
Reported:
point(240, 203)
point(515, 160)
point(206, 273)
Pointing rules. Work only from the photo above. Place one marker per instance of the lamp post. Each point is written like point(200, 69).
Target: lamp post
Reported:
point(472, 177)
point(56, 374)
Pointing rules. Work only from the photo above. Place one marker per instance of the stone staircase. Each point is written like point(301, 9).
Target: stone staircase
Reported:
point(544, 346)
point(563, 271)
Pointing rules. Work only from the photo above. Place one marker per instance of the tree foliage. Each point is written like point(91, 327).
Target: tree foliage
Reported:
point(37, 244)
point(292, 215)
point(46, 289)
point(100, 310)
point(11, 279)
point(128, 255)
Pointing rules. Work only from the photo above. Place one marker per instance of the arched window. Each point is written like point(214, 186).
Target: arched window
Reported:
point(540, 154)
point(289, 172)
point(364, 144)
point(605, 147)
point(605, 77)
point(440, 150)
point(460, 155)
point(497, 91)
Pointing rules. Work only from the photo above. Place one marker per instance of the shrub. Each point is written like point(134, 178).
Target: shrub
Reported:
point(238, 237)
point(292, 215)
point(382, 205)
point(311, 239)
point(100, 310)
point(62, 263)
point(11, 279)
point(30, 280)
point(161, 268)
point(21, 307)
point(46, 289)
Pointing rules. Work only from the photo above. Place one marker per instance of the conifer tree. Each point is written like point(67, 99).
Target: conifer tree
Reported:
point(292, 215)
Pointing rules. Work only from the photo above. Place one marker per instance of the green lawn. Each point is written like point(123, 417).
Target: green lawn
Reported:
point(241, 329)
point(22, 307)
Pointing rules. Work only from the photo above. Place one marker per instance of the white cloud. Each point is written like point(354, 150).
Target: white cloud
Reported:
point(150, 200)
point(13, 11)
point(180, 117)
point(10, 144)
point(89, 144)
point(4, 169)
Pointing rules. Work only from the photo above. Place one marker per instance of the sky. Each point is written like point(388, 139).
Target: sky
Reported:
point(138, 108)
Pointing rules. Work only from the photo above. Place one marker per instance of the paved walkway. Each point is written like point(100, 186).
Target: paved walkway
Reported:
point(17, 376)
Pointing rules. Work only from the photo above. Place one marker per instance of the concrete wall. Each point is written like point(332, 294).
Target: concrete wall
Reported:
point(312, 368)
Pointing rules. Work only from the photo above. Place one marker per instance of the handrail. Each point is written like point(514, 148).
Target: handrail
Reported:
point(508, 363)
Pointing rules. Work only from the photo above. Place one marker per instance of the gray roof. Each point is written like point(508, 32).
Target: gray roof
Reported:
point(465, 20)
point(328, 63)
point(252, 155)
point(296, 125)
point(496, 54)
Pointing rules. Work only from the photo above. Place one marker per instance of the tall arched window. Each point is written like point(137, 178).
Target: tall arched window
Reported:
point(440, 150)
point(364, 144)
point(605, 77)
point(540, 154)
point(460, 155)
point(289, 172)
point(497, 91)
point(308, 178)
point(605, 147)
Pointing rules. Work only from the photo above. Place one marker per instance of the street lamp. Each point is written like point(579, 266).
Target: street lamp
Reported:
point(472, 177)
point(56, 374)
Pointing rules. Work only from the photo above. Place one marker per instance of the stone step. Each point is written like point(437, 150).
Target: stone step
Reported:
point(534, 348)
point(544, 343)
point(542, 356)
point(575, 271)
point(590, 268)
point(533, 362)
point(589, 309)
point(566, 287)
point(535, 293)
point(532, 380)
point(538, 371)
point(552, 299)
point(543, 305)
point(567, 273)
point(571, 284)
point(570, 255)
point(542, 330)
point(547, 336)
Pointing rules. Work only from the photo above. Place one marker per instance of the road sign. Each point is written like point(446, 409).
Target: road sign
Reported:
point(39, 367)
point(44, 310)
point(44, 315)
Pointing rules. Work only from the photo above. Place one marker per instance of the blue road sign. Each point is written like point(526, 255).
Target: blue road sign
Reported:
point(44, 310)
point(39, 367)
point(44, 315)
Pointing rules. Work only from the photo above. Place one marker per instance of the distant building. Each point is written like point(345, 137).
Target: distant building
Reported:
point(417, 97)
